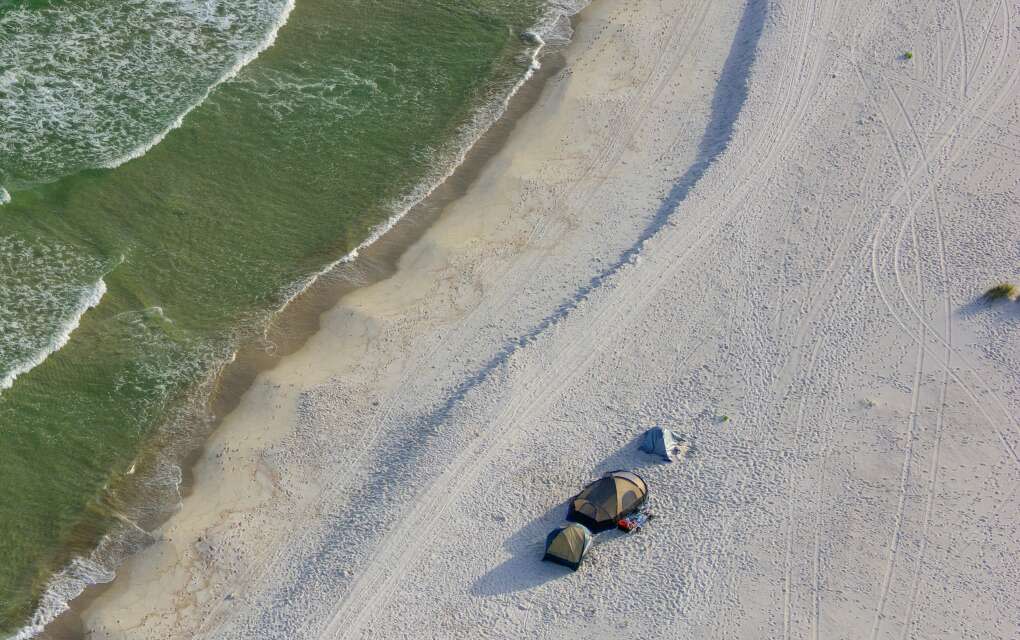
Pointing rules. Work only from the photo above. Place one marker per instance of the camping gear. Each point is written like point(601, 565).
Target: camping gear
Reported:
point(662, 442)
point(567, 545)
point(634, 522)
point(604, 502)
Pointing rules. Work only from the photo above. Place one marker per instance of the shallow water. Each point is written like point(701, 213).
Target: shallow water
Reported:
point(123, 290)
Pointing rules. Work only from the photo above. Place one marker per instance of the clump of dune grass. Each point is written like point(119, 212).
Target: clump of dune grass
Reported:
point(1001, 291)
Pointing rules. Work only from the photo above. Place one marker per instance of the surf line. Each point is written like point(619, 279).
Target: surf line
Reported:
point(90, 298)
point(243, 61)
point(484, 119)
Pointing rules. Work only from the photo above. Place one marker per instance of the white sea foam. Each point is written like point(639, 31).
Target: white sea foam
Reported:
point(81, 573)
point(65, 586)
point(90, 298)
point(95, 83)
point(98, 566)
point(243, 61)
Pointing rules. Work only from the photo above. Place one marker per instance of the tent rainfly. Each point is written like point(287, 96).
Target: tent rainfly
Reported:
point(602, 503)
point(567, 545)
point(662, 442)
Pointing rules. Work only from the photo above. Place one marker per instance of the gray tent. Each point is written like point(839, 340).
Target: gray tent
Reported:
point(662, 442)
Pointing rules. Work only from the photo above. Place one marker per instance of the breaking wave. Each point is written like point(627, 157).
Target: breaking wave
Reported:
point(89, 298)
point(94, 83)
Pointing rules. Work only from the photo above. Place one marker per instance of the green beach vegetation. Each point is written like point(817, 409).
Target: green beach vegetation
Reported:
point(1002, 291)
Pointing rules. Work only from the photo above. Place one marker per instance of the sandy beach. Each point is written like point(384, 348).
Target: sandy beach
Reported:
point(757, 223)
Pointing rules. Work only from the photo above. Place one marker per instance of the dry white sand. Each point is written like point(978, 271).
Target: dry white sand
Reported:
point(753, 209)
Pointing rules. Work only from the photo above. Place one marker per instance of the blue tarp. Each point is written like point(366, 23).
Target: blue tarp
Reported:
point(661, 442)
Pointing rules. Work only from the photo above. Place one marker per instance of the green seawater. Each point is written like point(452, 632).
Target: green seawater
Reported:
point(279, 171)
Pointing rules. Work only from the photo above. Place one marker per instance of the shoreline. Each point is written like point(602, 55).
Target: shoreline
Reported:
point(294, 323)
point(708, 213)
point(299, 318)
point(244, 381)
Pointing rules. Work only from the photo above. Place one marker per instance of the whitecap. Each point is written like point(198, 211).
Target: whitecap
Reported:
point(89, 298)
point(244, 60)
point(96, 83)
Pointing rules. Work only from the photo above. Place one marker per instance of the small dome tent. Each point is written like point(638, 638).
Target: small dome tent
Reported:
point(602, 503)
point(662, 442)
point(567, 545)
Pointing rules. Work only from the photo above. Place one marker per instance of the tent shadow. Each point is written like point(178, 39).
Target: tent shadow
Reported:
point(630, 457)
point(1007, 309)
point(974, 307)
point(525, 569)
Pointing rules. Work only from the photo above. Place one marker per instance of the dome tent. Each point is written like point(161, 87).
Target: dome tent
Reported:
point(662, 442)
point(567, 545)
point(603, 502)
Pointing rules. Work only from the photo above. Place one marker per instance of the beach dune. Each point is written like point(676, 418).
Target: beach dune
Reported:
point(755, 209)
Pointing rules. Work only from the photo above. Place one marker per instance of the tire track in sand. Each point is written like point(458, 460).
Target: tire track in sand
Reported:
point(582, 346)
point(943, 141)
point(947, 341)
point(607, 154)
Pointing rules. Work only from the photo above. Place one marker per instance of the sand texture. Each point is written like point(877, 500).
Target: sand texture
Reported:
point(759, 210)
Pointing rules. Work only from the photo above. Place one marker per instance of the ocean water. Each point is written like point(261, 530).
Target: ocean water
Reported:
point(172, 172)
